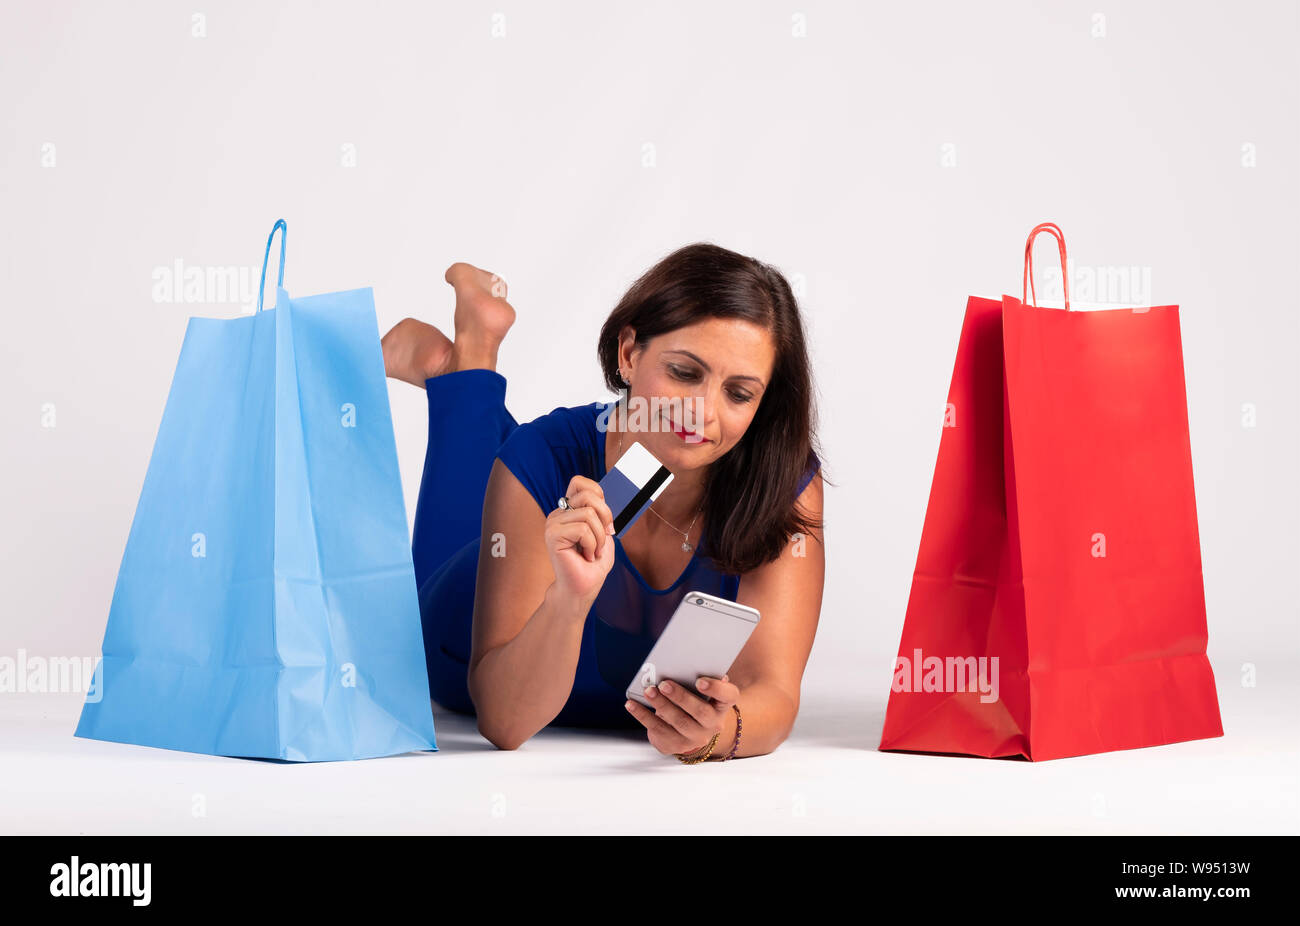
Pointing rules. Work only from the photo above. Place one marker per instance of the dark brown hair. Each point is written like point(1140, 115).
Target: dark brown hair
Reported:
point(749, 493)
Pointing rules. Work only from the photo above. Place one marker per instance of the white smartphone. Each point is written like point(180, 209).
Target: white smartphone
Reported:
point(703, 637)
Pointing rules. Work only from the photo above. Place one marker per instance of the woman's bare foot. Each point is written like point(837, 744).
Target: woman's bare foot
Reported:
point(415, 351)
point(482, 316)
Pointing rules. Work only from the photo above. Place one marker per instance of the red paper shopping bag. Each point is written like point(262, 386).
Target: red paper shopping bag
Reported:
point(1057, 607)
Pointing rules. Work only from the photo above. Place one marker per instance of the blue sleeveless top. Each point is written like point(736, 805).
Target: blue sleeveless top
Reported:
point(628, 614)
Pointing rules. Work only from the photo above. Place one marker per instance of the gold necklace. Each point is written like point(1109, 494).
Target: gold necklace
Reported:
point(686, 534)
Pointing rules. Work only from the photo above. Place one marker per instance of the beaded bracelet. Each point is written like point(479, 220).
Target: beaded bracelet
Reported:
point(699, 755)
point(704, 752)
point(736, 744)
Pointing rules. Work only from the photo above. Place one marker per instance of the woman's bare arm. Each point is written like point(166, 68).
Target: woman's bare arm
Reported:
point(527, 630)
point(769, 670)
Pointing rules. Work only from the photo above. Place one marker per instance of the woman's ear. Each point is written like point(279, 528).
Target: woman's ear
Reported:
point(627, 349)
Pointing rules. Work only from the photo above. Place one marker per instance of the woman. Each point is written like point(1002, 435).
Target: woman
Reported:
point(508, 576)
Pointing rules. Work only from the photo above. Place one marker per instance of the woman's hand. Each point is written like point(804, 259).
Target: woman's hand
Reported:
point(683, 721)
point(580, 540)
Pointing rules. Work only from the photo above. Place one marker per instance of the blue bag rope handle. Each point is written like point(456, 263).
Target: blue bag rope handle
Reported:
point(279, 226)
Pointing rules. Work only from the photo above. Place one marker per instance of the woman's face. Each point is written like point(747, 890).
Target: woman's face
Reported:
point(697, 388)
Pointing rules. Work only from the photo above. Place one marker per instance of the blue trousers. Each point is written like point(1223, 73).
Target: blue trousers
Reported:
point(468, 421)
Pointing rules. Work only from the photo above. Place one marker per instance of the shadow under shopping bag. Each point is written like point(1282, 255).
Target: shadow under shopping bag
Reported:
point(266, 603)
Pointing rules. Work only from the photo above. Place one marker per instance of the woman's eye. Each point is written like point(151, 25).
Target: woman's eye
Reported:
point(690, 376)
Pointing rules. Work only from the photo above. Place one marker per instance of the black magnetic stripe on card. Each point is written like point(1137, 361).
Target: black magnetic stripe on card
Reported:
point(639, 500)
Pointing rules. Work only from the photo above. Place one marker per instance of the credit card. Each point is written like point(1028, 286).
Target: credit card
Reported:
point(636, 480)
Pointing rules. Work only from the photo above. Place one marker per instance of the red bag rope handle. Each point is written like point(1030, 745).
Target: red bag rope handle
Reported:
point(1027, 283)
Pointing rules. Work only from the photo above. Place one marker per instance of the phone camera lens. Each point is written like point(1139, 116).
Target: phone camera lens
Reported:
point(699, 601)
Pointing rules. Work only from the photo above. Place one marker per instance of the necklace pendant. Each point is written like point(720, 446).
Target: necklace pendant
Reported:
point(686, 546)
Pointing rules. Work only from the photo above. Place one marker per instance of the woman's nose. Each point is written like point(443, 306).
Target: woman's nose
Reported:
point(704, 407)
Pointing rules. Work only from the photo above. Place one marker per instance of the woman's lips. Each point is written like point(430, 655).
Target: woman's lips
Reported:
point(688, 437)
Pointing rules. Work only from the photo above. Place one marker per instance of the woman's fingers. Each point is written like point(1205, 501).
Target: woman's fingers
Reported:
point(577, 533)
point(671, 712)
point(655, 725)
point(697, 707)
point(594, 538)
point(584, 492)
point(722, 690)
point(604, 517)
point(581, 527)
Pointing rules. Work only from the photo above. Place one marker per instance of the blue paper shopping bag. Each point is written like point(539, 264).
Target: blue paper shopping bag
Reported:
point(266, 604)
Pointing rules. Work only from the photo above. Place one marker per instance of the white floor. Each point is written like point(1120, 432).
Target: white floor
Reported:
point(827, 778)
